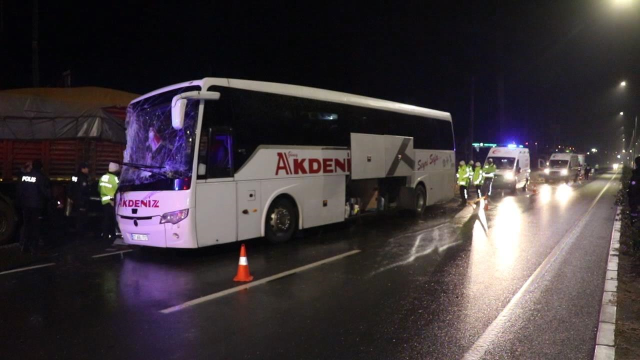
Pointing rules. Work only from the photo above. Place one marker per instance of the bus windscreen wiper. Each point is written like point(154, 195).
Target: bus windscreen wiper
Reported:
point(146, 168)
point(142, 166)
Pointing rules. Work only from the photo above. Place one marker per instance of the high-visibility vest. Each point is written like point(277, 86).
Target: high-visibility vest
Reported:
point(478, 176)
point(489, 170)
point(463, 176)
point(108, 186)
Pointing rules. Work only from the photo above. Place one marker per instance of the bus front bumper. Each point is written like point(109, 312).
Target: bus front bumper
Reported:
point(149, 232)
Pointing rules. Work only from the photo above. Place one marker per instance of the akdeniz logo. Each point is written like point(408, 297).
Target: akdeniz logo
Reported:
point(290, 164)
point(139, 203)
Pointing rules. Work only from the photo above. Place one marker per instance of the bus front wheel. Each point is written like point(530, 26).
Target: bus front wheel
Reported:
point(281, 220)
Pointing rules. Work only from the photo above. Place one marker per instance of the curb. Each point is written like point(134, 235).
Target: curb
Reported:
point(605, 340)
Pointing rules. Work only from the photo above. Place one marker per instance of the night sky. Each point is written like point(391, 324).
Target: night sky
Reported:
point(561, 60)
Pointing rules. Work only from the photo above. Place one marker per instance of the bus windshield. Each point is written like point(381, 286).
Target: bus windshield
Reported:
point(558, 164)
point(158, 157)
point(504, 163)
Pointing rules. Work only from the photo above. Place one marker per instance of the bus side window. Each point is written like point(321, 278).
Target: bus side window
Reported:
point(220, 164)
point(202, 154)
point(215, 158)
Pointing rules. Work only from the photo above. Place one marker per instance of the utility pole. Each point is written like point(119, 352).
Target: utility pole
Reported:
point(473, 112)
point(501, 114)
point(35, 72)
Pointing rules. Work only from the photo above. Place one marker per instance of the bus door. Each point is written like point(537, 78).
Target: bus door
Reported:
point(215, 188)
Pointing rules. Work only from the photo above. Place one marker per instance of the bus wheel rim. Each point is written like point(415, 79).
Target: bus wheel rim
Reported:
point(420, 202)
point(280, 220)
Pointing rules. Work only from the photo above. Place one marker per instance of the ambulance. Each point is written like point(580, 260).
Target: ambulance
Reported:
point(513, 168)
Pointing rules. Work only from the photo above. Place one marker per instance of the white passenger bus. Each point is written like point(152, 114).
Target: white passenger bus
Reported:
point(220, 160)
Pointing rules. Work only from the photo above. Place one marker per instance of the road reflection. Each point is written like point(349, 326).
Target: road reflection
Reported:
point(560, 193)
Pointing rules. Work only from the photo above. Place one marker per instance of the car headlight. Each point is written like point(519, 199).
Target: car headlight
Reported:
point(546, 171)
point(508, 176)
point(564, 172)
point(174, 217)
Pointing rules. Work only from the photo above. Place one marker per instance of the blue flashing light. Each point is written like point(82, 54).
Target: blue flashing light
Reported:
point(511, 146)
point(520, 146)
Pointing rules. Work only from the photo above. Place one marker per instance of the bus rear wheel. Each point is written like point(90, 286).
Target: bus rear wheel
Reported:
point(281, 221)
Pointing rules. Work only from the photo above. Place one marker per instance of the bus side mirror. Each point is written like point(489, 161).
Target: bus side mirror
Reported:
point(178, 108)
point(179, 105)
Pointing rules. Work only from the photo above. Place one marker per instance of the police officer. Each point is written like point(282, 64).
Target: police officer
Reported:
point(79, 194)
point(478, 179)
point(489, 171)
point(33, 193)
point(470, 168)
point(463, 182)
point(108, 186)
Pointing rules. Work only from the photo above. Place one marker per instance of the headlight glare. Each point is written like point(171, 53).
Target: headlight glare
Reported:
point(564, 172)
point(546, 171)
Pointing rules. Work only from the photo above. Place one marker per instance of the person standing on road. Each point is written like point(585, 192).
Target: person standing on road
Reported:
point(463, 182)
point(478, 179)
point(587, 171)
point(79, 194)
point(470, 169)
point(33, 194)
point(108, 186)
point(489, 171)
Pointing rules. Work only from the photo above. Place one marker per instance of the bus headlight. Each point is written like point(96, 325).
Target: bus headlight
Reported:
point(508, 176)
point(174, 217)
point(546, 171)
point(564, 172)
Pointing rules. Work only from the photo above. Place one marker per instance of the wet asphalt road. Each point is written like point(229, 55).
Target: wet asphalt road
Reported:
point(523, 280)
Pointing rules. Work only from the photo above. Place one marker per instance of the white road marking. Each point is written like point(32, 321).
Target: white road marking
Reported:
point(498, 325)
point(254, 283)
point(26, 268)
point(112, 253)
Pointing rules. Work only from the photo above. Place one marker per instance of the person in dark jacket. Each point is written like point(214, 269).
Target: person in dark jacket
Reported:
point(33, 194)
point(633, 191)
point(79, 194)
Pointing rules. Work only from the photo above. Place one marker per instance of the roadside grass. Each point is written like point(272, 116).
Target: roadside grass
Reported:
point(628, 299)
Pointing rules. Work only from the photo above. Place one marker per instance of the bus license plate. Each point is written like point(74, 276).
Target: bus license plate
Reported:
point(139, 237)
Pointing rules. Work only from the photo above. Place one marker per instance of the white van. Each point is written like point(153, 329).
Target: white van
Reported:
point(562, 167)
point(513, 167)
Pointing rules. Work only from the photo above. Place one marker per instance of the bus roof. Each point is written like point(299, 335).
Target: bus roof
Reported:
point(309, 93)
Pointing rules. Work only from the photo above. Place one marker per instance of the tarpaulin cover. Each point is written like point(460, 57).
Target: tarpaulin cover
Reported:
point(63, 113)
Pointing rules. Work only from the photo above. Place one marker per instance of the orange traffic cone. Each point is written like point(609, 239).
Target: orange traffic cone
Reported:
point(535, 189)
point(486, 203)
point(243, 267)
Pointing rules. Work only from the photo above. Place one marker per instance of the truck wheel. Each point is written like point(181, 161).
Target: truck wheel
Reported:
point(7, 222)
point(281, 221)
point(421, 200)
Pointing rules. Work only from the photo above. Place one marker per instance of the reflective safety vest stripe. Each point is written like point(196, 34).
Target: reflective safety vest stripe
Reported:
point(108, 186)
point(463, 176)
point(489, 171)
point(478, 176)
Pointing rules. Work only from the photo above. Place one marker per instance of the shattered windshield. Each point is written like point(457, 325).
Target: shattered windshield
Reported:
point(158, 157)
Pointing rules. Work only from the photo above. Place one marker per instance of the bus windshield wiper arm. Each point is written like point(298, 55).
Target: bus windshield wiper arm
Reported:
point(146, 168)
point(142, 166)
